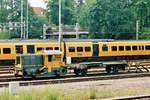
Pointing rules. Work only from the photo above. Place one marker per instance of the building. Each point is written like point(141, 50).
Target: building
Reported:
point(39, 11)
point(39, 6)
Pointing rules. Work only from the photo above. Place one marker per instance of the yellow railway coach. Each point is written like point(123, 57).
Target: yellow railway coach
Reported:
point(85, 50)
point(9, 48)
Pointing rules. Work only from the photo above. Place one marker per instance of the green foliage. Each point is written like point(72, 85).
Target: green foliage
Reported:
point(68, 12)
point(114, 17)
point(108, 17)
point(142, 11)
point(111, 16)
point(82, 11)
point(4, 35)
point(13, 14)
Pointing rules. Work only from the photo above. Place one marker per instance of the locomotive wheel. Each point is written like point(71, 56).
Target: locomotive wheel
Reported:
point(83, 72)
point(115, 69)
point(33, 76)
point(57, 74)
point(80, 71)
point(108, 69)
point(77, 72)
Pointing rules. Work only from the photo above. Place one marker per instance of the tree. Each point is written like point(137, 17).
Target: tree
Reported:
point(109, 16)
point(13, 14)
point(68, 11)
point(142, 11)
point(82, 11)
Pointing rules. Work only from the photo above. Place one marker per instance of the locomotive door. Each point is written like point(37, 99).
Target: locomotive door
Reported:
point(30, 49)
point(95, 50)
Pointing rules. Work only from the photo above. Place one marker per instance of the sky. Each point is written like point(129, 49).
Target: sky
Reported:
point(37, 3)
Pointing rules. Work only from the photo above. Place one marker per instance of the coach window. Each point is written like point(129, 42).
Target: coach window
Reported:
point(121, 48)
point(39, 49)
point(71, 49)
point(104, 47)
point(142, 47)
point(128, 48)
point(87, 49)
point(147, 47)
point(79, 49)
point(134, 47)
point(6, 50)
point(19, 49)
point(56, 48)
point(49, 48)
point(114, 48)
point(139, 47)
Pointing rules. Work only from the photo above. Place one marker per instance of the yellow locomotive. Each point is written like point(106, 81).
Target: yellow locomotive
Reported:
point(79, 51)
point(45, 63)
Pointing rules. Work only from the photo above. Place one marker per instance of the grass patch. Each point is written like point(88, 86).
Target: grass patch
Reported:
point(55, 93)
point(33, 94)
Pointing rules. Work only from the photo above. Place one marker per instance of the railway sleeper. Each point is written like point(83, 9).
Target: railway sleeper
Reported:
point(139, 66)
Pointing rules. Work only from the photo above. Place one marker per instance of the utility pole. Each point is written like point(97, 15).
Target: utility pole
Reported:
point(137, 30)
point(27, 34)
point(59, 25)
point(77, 30)
point(21, 18)
point(44, 31)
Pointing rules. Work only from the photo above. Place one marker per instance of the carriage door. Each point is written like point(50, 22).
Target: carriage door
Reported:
point(30, 49)
point(95, 50)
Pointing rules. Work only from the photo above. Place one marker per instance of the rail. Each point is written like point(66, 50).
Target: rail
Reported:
point(139, 65)
point(142, 97)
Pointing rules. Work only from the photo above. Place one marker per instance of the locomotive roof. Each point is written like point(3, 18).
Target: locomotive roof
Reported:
point(67, 40)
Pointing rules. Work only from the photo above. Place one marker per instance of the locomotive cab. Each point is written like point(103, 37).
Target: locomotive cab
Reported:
point(45, 63)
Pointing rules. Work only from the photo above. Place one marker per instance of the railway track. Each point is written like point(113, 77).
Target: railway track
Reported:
point(6, 70)
point(6, 76)
point(43, 81)
point(140, 97)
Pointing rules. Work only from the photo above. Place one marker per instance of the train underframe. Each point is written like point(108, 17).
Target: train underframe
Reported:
point(111, 64)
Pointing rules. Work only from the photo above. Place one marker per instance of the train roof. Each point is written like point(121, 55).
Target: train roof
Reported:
point(67, 40)
point(52, 40)
point(25, 41)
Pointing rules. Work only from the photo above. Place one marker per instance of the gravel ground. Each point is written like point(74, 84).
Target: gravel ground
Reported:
point(131, 83)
